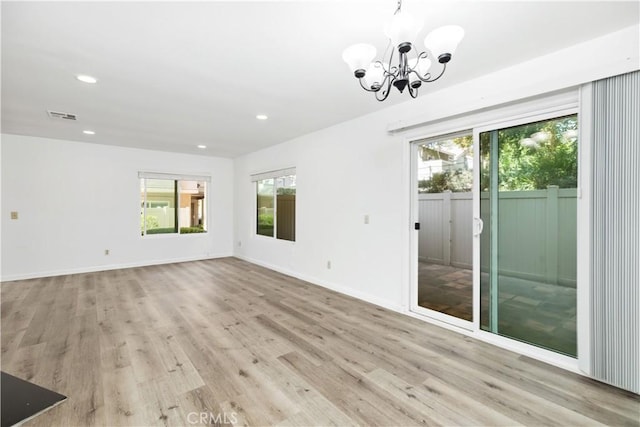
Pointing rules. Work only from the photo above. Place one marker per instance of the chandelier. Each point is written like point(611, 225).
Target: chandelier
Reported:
point(379, 76)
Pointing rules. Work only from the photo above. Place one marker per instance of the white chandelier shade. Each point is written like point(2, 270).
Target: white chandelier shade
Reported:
point(359, 56)
point(444, 40)
point(410, 72)
point(402, 28)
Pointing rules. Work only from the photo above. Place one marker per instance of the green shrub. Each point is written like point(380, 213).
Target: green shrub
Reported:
point(265, 220)
point(183, 230)
point(165, 230)
point(455, 181)
point(151, 222)
point(189, 230)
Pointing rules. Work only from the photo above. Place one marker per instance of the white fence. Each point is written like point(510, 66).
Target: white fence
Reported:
point(446, 228)
point(166, 216)
point(536, 236)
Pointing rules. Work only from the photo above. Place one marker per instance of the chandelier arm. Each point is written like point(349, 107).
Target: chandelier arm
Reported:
point(391, 68)
point(413, 92)
point(386, 50)
point(388, 78)
point(399, 7)
point(385, 71)
point(423, 79)
point(366, 88)
point(385, 93)
point(422, 55)
point(429, 79)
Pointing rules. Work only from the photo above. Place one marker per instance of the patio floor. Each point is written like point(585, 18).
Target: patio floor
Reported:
point(539, 313)
point(446, 289)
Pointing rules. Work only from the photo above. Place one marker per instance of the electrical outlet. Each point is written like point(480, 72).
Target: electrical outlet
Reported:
point(14, 215)
point(328, 265)
point(106, 251)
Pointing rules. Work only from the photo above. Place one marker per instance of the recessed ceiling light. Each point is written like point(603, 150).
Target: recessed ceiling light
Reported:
point(88, 132)
point(86, 79)
point(202, 146)
point(262, 117)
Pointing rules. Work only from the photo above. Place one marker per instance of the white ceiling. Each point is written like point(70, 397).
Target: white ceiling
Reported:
point(175, 74)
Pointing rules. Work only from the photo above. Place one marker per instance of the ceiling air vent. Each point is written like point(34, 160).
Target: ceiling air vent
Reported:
point(63, 116)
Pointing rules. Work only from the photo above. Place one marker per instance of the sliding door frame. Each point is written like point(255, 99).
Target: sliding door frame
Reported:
point(541, 108)
point(413, 298)
point(528, 349)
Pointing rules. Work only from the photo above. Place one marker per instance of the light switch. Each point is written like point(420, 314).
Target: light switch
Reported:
point(366, 219)
point(14, 215)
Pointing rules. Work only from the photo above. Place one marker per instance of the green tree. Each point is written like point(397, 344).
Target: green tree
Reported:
point(455, 181)
point(531, 157)
point(534, 156)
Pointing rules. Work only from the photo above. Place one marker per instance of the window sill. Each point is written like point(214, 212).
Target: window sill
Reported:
point(170, 235)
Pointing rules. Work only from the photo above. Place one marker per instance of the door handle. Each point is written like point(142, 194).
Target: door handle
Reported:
point(479, 226)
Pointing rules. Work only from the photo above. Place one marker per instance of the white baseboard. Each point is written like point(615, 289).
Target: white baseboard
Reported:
point(334, 287)
point(93, 269)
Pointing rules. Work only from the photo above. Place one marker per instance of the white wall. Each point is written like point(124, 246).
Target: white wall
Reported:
point(341, 176)
point(357, 168)
point(75, 200)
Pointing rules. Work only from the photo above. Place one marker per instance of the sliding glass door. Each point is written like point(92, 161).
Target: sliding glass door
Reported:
point(444, 212)
point(527, 195)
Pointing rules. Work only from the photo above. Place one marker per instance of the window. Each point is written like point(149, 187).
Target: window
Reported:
point(276, 204)
point(172, 204)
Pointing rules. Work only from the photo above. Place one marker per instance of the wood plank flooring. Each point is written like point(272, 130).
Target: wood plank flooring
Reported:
point(228, 342)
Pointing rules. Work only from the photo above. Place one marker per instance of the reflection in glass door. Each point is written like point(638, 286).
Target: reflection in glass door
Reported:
point(528, 189)
point(445, 211)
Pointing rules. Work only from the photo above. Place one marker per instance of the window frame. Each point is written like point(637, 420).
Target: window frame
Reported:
point(176, 178)
point(274, 175)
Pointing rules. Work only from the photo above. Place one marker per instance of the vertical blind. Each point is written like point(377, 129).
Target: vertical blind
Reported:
point(615, 227)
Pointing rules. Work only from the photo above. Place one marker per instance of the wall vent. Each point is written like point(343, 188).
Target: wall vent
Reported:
point(60, 115)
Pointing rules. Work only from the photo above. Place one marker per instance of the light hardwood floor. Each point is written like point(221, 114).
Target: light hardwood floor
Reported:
point(239, 343)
